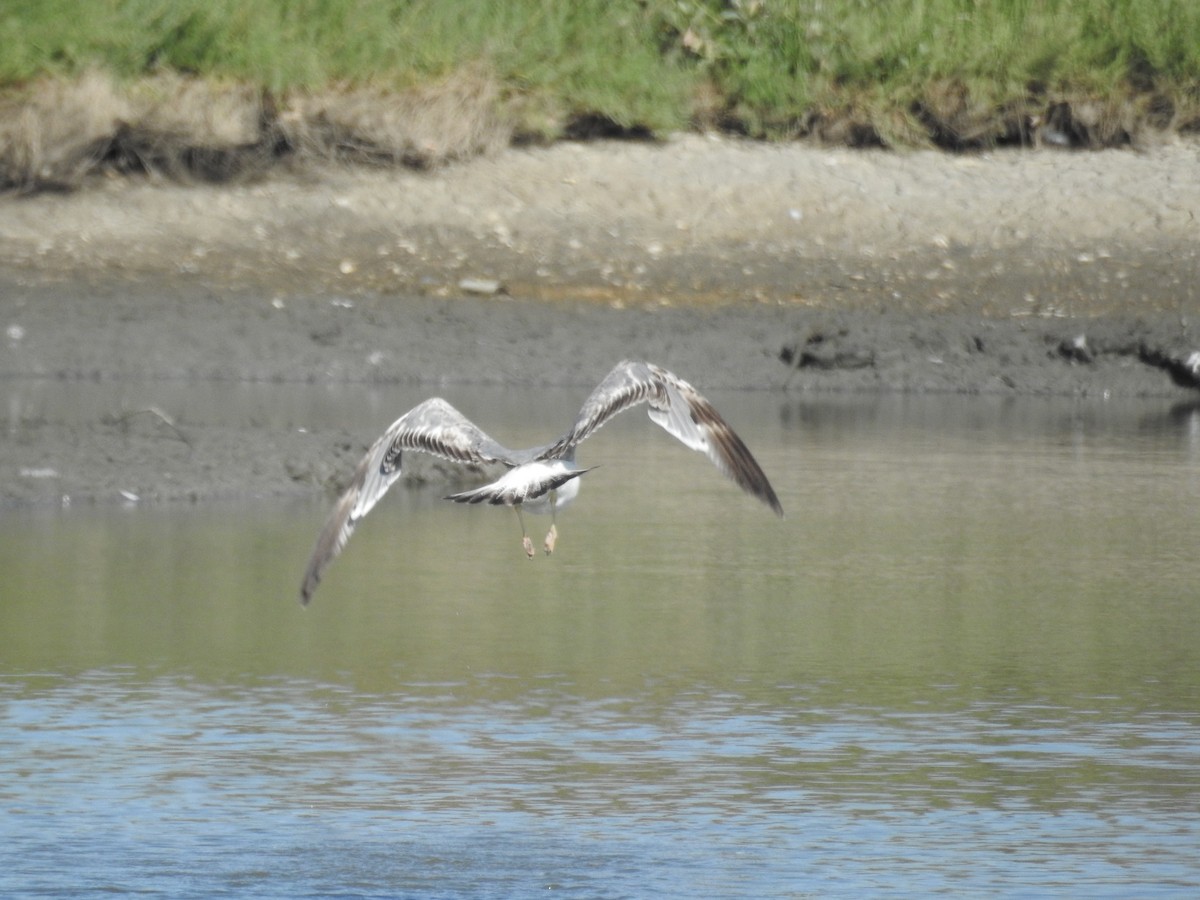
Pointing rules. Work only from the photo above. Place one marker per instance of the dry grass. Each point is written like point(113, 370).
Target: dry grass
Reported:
point(425, 126)
point(57, 133)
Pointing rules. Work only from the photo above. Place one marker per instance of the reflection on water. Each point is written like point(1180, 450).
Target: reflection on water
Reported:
point(966, 663)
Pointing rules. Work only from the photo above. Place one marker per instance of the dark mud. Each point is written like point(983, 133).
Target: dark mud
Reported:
point(449, 344)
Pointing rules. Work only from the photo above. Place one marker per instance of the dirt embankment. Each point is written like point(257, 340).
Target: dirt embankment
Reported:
point(738, 265)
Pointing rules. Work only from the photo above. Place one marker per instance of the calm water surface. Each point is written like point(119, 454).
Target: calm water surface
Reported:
point(967, 664)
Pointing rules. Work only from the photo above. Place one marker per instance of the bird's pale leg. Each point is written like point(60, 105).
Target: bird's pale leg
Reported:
point(552, 534)
point(526, 543)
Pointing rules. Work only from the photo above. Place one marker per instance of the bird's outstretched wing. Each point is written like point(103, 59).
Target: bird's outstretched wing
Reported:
point(681, 410)
point(433, 427)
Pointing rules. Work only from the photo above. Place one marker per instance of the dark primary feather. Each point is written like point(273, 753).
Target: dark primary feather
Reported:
point(681, 410)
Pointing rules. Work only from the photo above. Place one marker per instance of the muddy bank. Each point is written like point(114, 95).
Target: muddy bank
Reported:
point(739, 266)
point(123, 452)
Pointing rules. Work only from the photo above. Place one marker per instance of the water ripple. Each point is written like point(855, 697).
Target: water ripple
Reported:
point(285, 786)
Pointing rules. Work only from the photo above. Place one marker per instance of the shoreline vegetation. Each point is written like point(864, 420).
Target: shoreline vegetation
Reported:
point(217, 90)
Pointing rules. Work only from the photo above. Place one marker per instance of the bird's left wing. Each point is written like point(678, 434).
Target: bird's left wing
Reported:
point(681, 410)
point(433, 427)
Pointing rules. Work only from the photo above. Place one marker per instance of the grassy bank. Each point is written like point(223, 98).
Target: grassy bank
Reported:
point(219, 87)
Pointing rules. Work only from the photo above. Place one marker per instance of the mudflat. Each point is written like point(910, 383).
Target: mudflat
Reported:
point(737, 265)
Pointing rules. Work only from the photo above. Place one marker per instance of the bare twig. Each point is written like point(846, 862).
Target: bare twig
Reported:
point(160, 415)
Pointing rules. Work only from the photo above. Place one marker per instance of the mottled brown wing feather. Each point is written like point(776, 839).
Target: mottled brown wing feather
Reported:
point(681, 410)
point(433, 427)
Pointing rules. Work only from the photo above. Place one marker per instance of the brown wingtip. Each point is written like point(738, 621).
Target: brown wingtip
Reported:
point(774, 503)
point(325, 552)
point(316, 565)
point(768, 494)
point(306, 591)
point(761, 488)
point(312, 577)
point(329, 544)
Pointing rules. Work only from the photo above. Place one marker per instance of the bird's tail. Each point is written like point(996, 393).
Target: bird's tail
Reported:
point(498, 494)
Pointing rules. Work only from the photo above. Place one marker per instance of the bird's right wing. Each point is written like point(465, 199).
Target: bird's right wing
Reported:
point(679, 409)
point(433, 427)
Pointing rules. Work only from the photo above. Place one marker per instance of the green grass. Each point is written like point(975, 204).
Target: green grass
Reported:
point(767, 67)
point(776, 62)
point(579, 57)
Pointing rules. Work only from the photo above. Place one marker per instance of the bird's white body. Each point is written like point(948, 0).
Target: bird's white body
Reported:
point(563, 496)
point(532, 474)
point(541, 486)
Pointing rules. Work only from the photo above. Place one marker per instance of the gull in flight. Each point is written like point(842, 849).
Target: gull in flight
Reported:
point(540, 479)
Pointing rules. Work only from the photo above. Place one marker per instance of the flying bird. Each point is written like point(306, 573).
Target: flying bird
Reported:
point(540, 479)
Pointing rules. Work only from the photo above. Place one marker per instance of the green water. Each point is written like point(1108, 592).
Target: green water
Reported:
point(965, 663)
